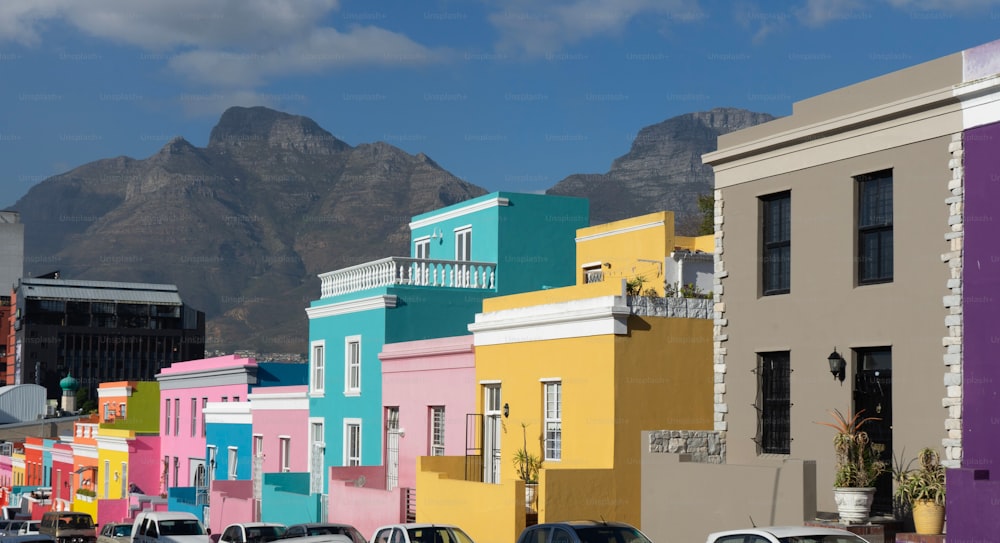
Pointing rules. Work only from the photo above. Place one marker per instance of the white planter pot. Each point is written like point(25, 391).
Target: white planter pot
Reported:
point(854, 504)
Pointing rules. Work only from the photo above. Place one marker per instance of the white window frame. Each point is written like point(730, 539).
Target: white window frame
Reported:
point(194, 416)
point(436, 437)
point(352, 387)
point(121, 410)
point(463, 243)
point(166, 423)
point(317, 428)
point(232, 463)
point(204, 404)
point(552, 419)
point(317, 367)
point(284, 453)
point(422, 247)
point(258, 445)
point(350, 455)
point(213, 461)
point(177, 416)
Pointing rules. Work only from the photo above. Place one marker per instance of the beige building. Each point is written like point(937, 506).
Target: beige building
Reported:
point(838, 228)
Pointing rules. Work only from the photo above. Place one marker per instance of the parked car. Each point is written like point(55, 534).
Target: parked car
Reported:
point(68, 526)
point(27, 538)
point(252, 532)
point(10, 527)
point(420, 533)
point(582, 531)
point(324, 528)
point(168, 527)
point(29, 527)
point(115, 532)
point(785, 534)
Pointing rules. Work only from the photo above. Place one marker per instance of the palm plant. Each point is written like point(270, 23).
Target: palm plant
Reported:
point(858, 462)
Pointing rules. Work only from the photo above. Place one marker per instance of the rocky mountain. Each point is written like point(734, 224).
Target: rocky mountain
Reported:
point(242, 226)
point(663, 169)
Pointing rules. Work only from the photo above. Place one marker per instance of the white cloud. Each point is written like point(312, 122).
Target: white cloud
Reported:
point(225, 43)
point(540, 28)
point(944, 5)
point(819, 12)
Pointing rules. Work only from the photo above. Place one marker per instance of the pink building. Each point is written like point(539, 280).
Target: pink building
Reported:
point(428, 387)
point(62, 476)
point(280, 417)
point(185, 389)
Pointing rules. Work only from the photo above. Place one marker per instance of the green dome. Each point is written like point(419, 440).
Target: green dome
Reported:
point(69, 384)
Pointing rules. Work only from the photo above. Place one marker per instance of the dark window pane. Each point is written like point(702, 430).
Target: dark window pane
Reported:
point(777, 247)
point(774, 403)
point(875, 221)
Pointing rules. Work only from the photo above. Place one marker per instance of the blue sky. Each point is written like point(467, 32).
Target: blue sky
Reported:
point(508, 95)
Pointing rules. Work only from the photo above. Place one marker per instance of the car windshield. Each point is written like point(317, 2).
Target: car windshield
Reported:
point(263, 534)
point(181, 527)
point(822, 538)
point(437, 534)
point(123, 530)
point(610, 534)
point(76, 521)
point(337, 530)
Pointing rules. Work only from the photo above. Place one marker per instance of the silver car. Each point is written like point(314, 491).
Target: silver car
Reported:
point(115, 532)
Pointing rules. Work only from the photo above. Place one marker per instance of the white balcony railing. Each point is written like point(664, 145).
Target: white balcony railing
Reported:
point(396, 270)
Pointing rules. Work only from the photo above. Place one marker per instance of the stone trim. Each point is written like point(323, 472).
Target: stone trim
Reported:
point(720, 322)
point(953, 302)
point(704, 446)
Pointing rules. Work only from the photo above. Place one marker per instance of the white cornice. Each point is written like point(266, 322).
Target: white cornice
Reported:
point(228, 412)
point(112, 443)
point(427, 350)
point(87, 451)
point(605, 315)
point(465, 210)
point(622, 230)
point(285, 401)
point(109, 392)
point(383, 301)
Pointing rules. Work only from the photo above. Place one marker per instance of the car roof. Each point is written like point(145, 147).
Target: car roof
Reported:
point(168, 515)
point(409, 525)
point(255, 524)
point(785, 531)
point(586, 523)
point(322, 525)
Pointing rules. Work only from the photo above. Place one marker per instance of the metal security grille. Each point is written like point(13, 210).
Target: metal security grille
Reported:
point(391, 447)
point(473, 447)
point(774, 405)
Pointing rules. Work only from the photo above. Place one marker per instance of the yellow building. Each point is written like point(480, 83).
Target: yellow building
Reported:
point(572, 376)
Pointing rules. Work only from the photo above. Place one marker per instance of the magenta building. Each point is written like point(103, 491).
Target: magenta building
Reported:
point(428, 387)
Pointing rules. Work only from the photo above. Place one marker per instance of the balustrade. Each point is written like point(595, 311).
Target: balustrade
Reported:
point(408, 271)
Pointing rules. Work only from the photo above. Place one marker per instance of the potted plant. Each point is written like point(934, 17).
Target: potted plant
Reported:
point(924, 490)
point(858, 465)
point(527, 466)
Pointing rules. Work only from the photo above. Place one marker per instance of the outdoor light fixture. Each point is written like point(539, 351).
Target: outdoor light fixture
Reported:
point(506, 410)
point(837, 365)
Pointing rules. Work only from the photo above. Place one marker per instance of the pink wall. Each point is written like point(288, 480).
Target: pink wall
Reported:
point(282, 411)
point(420, 374)
point(6, 472)
point(230, 502)
point(144, 464)
point(180, 442)
point(112, 511)
point(364, 508)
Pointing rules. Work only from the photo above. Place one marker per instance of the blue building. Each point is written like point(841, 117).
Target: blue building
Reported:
point(498, 244)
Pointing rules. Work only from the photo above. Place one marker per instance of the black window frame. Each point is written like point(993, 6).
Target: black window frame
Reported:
point(774, 403)
point(776, 268)
point(874, 227)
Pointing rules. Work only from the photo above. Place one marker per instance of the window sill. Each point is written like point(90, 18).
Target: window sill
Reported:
point(352, 393)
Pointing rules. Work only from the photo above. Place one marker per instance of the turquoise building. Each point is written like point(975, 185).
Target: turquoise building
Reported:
point(497, 244)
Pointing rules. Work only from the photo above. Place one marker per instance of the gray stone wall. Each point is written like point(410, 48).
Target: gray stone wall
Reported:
point(704, 446)
point(684, 308)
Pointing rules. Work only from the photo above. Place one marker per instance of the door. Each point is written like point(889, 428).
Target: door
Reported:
point(391, 447)
point(873, 394)
point(491, 434)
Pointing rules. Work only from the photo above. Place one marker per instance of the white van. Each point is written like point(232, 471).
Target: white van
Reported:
point(168, 527)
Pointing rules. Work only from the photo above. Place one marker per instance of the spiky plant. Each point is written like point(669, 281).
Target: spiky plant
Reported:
point(858, 462)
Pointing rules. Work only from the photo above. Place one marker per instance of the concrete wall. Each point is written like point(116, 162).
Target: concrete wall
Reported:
point(282, 499)
point(112, 511)
point(485, 509)
point(365, 508)
point(230, 502)
point(685, 501)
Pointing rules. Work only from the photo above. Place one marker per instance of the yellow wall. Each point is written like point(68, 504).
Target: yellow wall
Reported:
point(570, 494)
point(17, 471)
point(115, 458)
point(586, 368)
point(628, 251)
point(488, 513)
point(705, 244)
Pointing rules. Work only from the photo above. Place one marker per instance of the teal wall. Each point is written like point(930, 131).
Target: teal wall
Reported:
point(285, 498)
point(224, 435)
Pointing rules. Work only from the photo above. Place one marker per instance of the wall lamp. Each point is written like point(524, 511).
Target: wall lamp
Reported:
point(506, 410)
point(837, 365)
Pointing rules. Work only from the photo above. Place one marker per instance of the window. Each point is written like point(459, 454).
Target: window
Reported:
point(875, 227)
point(107, 411)
point(593, 273)
point(437, 431)
point(166, 423)
point(258, 445)
point(776, 257)
point(284, 453)
point(317, 455)
point(166, 471)
point(553, 420)
point(225, 399)
point(352, 442)
point(177, 471)
point(774, 405)
point(352, 364)
point(422, 248)
point(194, 416)
point(204, 404)
point(318, 368)
point(212, 455)
point(121, 410)
point(177, 416)
point(236, 398)
point(463, 244)
point(233, 461)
